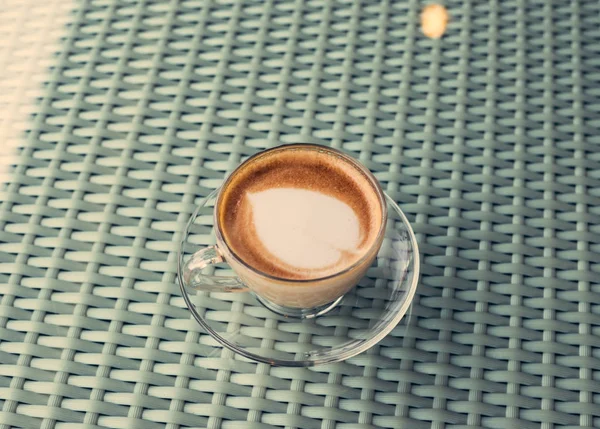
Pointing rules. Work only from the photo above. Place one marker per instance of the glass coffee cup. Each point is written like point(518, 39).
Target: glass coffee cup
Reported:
point(298, 224)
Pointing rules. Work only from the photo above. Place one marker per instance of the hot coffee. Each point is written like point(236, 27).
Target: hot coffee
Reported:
point(300, 213)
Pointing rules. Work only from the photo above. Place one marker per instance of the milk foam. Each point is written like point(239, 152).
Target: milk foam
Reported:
point(303, 228)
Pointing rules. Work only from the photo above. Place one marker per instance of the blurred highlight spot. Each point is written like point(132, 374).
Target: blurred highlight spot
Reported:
point(434, 19)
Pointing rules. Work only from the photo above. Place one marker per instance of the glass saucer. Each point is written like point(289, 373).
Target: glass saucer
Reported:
point(363, 317)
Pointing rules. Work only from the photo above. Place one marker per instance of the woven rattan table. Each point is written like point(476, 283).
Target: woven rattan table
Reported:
point(124, 114)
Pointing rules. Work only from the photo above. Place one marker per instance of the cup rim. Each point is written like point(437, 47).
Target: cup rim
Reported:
point(311, 146)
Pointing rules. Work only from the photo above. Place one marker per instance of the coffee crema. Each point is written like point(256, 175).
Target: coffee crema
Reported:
point(300, 214)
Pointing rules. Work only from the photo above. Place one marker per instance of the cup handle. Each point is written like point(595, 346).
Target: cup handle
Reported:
point(194, 279)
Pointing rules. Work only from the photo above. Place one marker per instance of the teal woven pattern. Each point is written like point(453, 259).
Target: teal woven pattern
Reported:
point(488, 139)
